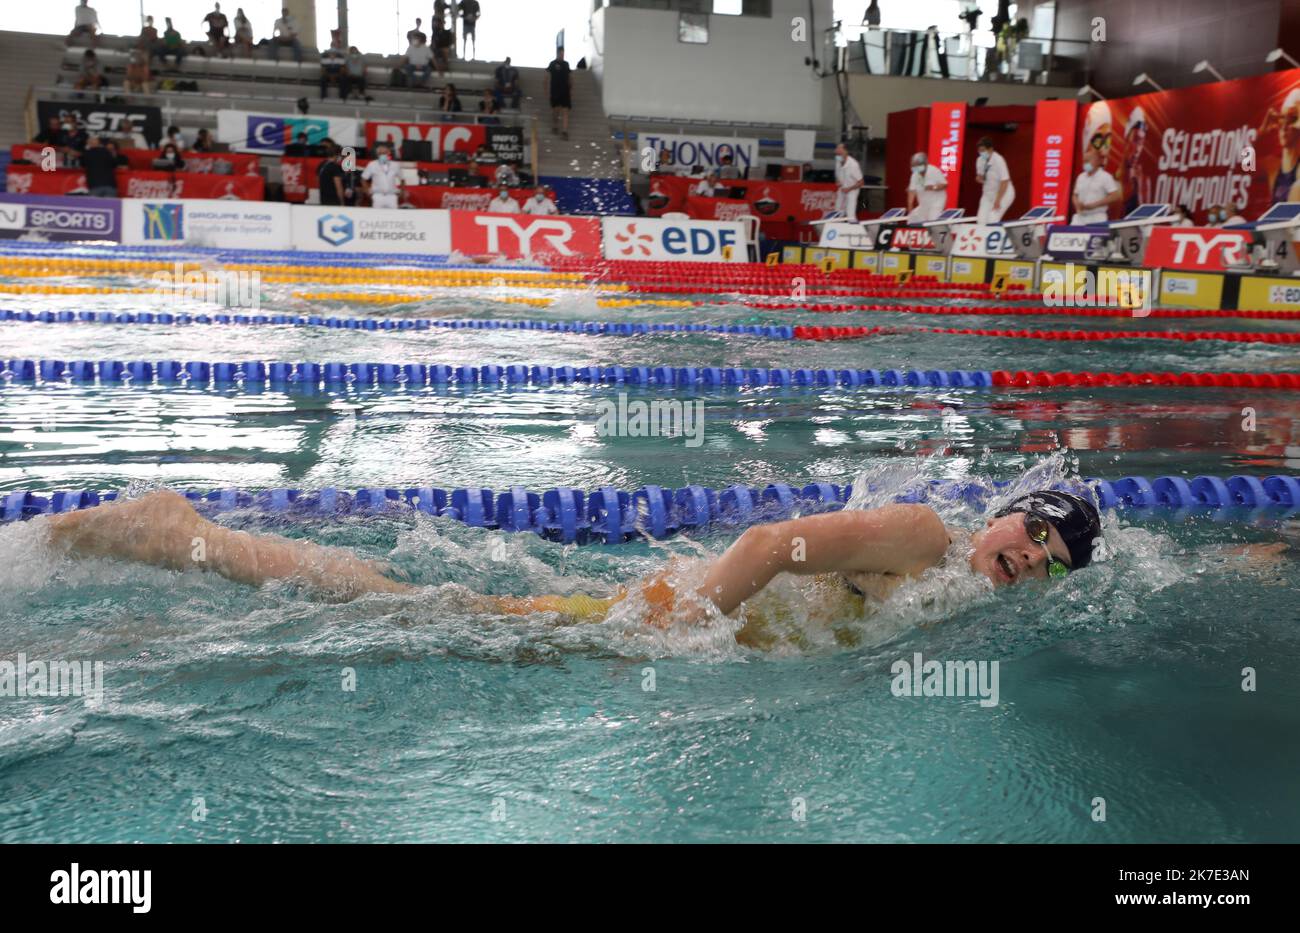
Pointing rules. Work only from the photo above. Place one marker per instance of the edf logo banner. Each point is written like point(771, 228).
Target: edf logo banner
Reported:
point(655, 238)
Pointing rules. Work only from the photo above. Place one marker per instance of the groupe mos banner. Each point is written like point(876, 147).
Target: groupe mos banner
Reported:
point(1231, 142)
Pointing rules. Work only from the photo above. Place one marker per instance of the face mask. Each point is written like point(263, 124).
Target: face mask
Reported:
point(538, 197)
point(1089, 167)
point(983, 161)
point(383, 157)
point(839, 160)
point(504, 195)
point(918, 169)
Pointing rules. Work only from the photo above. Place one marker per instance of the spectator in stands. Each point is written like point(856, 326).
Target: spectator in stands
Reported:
point(382, 178)
point(469, 14)
point(419, 58)
point(1184, 215)
point(90, 77)
point(299, 147)
point(488, 105)
point(706, 187)
point(1230, 214)
point(450, 100)
point(285, 32)
point(539, 203)
point(217, 23)
point(927, 191)
point(172, 44)
point(727, 168)
point(119, 160)
point(666, 163)
point(175, 137)
point(415, 33)
point(332, 61)
point(503, 203)
point(100, 166)
point(148, 39)
point(848, 176)
point(505, 176)
point(203, 141)
point(443, 42)
point(333, 180)
point(506, 84)
point(557, 85)
point(1095, 190)
point(58, 136)
point(86, 25)
point(130, 137)
point(439, 14)
point(171, 154)
point(354, 75)
point(243, 33)
point(138, 78)
point(992, 172)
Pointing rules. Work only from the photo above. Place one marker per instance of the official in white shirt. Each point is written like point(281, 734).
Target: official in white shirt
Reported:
point(503, 203)
point(927, 192)
point(1095, 190)
point(706, 187)
point(382, 178)
point(991, 171)
point(539, 203)
point(848, 176)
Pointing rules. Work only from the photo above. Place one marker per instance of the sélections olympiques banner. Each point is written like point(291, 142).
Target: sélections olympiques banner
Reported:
point(1230, 142)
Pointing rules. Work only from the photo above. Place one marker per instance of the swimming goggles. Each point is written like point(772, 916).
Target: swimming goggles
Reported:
point(1039, 529)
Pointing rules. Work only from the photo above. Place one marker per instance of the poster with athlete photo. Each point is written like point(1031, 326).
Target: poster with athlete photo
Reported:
point(1233, 143)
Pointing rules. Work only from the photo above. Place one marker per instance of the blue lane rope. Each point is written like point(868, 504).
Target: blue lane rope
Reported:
point(405, 375)
point(610, 515)
point(775, 332)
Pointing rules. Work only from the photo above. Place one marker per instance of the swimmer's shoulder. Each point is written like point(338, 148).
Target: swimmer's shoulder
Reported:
point(925, 539)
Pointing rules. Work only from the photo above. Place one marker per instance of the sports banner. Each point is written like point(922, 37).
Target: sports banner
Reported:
point(689, 150)
point(300, 175)
point(1066, 242)
point(657, 238)
point(911, 239)
point(226, 224)
point(718, 208)
point(523, 236)
point(460, 199)
point(370, 230)
point(190, 185)
point(1230, 142)
point(29, 179)
point(506, 142)
point(947, 132)
point(103, 119)
point(1197, 248)
point(218, 163)
point(35, 216)
point(775, 201)
point(980, 241)
point(1053, 165)
point(270, 132)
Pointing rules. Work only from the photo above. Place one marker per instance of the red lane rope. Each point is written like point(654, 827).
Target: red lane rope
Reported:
point(995, 310)
point(1026, 379)
point(853, 333)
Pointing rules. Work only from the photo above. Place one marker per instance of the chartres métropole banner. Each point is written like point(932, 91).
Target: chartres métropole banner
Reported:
point(1053, 167)
point(1231, 142)
point(947, 134)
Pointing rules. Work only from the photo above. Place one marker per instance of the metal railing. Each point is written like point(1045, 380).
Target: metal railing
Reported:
point(952, 55)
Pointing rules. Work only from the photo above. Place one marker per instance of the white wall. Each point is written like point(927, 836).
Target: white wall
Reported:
point(750, 69)
point(875, 97)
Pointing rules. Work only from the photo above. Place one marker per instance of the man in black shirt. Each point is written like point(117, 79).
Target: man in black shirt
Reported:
point(469, 14)
point(333, 188)
point(557, 82)
point(299, 147)
point(100, 166)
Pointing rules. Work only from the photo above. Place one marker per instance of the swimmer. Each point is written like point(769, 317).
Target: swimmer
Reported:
point(861, 554)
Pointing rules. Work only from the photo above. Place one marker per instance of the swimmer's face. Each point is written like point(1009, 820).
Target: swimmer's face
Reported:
point(1289, 130)
point(1006, 554)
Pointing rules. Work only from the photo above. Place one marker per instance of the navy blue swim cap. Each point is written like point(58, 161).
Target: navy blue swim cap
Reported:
point(1074, 518)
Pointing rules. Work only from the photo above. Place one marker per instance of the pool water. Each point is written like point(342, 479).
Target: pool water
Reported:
point(1123, 683)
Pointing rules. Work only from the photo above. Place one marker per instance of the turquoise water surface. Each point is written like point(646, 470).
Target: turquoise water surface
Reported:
point(226, 714)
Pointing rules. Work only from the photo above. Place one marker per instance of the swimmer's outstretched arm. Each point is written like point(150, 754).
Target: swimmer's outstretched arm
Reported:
point(896, 539)
point(163, 529)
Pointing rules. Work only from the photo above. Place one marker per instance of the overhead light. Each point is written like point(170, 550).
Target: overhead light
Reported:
point(1274, 55)
point(1204, 65)
point(1089, 89)
point(1145, 78)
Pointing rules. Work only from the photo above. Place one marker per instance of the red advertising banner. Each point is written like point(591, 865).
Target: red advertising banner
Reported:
point(521, 236)
point(947, 134)
point(231, 163)
point(770, 201)
point(1205, 249)
point(717, 208)
point(446, 137)
point(28, 179)
point(1230, 142)
point(300, 175)
point(911, 239)
point(460, 199)
point(1053, 171)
